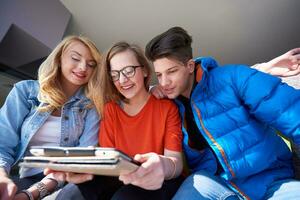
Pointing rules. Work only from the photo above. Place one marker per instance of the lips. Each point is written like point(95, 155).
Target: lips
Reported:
point(168, 90)
point(79, 75)
point(127, 87)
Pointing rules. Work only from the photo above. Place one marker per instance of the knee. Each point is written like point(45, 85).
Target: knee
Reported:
point(202, 185)
point(70, 191)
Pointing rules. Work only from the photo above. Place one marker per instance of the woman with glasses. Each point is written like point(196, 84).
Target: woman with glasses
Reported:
point(138, 124)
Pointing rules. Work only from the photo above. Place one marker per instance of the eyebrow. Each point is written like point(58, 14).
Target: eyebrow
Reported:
point(76, 52)
point(168, 69)
point(173, 67)
point(92, 60)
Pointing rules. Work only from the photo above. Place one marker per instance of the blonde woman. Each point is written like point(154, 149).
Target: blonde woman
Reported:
point(54, 110)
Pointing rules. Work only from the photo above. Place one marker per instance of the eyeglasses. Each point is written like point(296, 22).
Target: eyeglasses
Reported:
point(128, 72)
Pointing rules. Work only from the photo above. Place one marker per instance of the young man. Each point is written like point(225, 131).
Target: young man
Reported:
point(230, 116)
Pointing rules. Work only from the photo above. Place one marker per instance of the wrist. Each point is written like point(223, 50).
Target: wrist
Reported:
point(34, 191)
point(27, 194)
point(39, 190)
point(52, 184)
point(3, 172)
point(169, 168)
point(263, 67)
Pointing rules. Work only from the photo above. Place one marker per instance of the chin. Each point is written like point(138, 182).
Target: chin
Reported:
point(83, 82)
point(127, 96)
point(172, 96)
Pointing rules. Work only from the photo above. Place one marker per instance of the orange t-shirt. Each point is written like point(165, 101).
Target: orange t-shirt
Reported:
point(155, 128)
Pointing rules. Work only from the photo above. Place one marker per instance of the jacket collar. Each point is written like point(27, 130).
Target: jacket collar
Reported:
point(203, 66)
point(206, 64)
point(79, 95)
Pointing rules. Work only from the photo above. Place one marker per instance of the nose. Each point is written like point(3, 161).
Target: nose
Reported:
point(122, 78)
point(82, 66)
point(164, 81)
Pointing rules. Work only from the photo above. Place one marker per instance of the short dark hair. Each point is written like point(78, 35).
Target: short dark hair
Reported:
point(174, 43)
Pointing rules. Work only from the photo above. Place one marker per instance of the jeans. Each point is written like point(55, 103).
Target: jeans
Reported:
point(202, 185)
point(25, 183)
point(284, 189)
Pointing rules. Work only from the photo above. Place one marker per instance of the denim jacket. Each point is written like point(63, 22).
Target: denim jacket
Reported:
point(20, 120)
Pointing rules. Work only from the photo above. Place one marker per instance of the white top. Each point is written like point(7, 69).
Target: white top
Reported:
point(293, 81)
point(48, 135)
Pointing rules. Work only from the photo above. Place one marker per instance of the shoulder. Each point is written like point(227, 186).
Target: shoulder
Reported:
point(110, 105)
point(238, 74)
point(110, 108)
point(28, 88)
point(164, 104)
point(232, 70)
point(28, 84)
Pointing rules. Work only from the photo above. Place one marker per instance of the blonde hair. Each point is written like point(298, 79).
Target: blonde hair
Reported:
point(51, 91)
point(108, 90)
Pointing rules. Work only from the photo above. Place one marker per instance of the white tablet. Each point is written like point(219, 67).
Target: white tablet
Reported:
point(94, 160)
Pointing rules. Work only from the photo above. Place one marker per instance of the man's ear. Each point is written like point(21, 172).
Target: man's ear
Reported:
point(191, 65)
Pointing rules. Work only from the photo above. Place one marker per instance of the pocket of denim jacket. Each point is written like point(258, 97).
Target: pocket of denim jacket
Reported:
point(79, 114)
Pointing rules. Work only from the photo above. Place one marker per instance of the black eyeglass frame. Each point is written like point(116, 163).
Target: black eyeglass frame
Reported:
point(123, 72)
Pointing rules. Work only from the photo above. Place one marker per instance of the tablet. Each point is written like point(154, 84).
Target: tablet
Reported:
point(103, 161)
point(73, 151)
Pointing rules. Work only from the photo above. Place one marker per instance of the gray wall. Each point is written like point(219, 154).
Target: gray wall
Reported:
point(44, 20)
point(29, 30)
point(233, 31)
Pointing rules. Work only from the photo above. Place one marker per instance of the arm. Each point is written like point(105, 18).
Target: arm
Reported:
point(154, 170)
point(12, 115)
point(285, 65)
point(157, 168)
point(266, 98)
point(89, 136)
point(50, 183)
point(157, 91)
point(173, 165)
point(7, 188)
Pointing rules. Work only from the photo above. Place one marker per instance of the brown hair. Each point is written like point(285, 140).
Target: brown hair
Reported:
point(108, 89)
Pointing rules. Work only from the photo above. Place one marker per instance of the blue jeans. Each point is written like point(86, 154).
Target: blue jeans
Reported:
point(25, 183)
point(202, 185)
point(284, 189)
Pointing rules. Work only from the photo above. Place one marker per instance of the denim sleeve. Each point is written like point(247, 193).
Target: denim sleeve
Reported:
point(270, 101)
point(12, 115)
point(89, 136)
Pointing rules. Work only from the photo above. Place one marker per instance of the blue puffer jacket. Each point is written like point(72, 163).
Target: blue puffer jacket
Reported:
point(237, 110)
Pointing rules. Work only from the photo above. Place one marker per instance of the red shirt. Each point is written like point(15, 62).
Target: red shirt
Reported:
point(155, 128)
